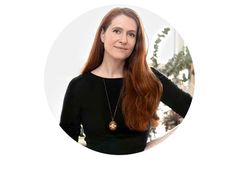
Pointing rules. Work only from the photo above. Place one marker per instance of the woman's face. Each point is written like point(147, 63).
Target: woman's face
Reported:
point(119, 38)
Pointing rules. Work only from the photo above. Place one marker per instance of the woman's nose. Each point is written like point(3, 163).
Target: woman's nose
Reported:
point(123, 39)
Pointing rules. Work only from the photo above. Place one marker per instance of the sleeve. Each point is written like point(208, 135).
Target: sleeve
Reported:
point(178, 100)
point(70, 119)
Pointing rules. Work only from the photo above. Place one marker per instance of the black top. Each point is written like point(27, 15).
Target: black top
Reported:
point(85, 103)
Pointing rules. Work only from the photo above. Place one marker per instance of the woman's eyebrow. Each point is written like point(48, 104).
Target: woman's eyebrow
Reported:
point(117, 27)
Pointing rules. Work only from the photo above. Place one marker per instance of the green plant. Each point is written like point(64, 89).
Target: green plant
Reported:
point(172, 69)
point(180, 61)
point(154, 58)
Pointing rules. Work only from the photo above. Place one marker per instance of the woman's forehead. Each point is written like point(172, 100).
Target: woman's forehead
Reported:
point(124, 22)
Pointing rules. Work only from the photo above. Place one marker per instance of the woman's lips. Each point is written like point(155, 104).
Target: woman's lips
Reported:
point(121, 48)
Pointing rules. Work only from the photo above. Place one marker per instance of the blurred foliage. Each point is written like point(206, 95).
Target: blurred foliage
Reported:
point(180, 61)
point(156, 46)
point(172, 69)
point(171, 120)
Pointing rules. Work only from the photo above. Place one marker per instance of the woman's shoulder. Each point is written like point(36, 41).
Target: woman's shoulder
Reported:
point(81, 80)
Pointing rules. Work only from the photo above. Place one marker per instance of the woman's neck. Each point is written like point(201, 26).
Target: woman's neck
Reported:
point(110, 68)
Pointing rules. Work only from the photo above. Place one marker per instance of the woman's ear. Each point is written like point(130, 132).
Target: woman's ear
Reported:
point(102, 35)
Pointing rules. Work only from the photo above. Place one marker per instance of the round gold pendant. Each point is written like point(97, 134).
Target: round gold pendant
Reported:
point(112, 125)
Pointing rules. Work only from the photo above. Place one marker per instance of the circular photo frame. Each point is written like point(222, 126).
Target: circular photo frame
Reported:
point(167, 56)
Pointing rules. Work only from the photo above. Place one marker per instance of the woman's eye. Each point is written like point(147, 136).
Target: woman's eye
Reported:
point(132, 35)
point(117, 31)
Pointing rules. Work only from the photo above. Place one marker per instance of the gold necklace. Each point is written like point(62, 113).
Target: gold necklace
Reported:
point(112, 124)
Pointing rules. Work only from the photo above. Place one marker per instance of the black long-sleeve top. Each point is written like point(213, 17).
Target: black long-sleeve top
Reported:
point(85, 103)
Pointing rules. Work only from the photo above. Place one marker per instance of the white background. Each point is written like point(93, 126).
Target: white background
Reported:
point(30, 138)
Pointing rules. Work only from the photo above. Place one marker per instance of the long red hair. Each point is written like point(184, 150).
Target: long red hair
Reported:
point(141, 90)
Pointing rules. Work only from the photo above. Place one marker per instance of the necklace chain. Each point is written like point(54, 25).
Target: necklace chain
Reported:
point(112, 115)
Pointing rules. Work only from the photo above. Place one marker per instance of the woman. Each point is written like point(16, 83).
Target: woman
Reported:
point(117, 95)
